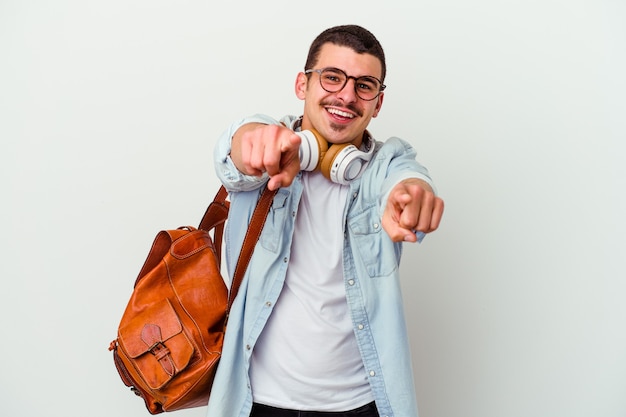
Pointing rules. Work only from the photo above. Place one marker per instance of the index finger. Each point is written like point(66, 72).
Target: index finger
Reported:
point(290, 142)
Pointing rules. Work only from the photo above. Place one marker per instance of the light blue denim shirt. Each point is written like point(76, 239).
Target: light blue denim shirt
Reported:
point(371, 278)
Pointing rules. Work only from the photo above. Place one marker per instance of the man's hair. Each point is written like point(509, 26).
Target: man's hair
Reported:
point(355, 37)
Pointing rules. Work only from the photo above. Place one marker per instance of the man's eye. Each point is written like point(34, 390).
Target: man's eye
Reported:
point(333, 78)
point(366, 85)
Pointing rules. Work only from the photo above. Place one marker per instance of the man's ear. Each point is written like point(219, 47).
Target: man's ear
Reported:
point(301, 83)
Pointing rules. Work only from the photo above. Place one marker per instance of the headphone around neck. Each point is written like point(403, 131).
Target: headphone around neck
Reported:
point(340, 163)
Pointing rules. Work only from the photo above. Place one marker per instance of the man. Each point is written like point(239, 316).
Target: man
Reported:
point(318, 324)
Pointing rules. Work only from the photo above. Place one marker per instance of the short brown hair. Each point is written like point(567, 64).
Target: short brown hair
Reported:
point(359, 39)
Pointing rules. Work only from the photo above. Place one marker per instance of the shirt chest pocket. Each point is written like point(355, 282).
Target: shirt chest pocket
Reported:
point(372, 244)
point(275, 223)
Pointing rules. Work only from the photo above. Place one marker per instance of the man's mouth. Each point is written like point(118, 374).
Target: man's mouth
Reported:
point(340, 113)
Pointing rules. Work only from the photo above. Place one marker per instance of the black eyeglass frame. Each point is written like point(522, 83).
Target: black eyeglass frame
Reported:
point(319, 71)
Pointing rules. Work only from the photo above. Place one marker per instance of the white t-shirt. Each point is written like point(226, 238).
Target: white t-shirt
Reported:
point(307, 357)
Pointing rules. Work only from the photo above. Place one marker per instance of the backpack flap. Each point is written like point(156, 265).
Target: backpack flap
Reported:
point(155, 343)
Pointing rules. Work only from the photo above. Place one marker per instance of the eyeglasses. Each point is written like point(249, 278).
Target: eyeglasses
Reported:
point(334, 80)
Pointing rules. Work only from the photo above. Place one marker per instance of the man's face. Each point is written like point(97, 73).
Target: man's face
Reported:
point(340, 117)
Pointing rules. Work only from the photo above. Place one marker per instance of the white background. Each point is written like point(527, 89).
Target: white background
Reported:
point(109, 112)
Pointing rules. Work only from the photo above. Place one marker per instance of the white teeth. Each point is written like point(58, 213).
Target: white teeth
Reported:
point(340, 113)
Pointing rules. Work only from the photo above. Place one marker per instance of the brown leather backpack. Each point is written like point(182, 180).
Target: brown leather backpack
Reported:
point(170, 336)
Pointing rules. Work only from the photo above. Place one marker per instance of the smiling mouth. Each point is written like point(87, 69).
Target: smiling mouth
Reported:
point(340, 113)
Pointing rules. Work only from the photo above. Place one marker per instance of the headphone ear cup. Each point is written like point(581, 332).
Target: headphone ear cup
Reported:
point(322, 146)
point(326, 163)
point(312, 150)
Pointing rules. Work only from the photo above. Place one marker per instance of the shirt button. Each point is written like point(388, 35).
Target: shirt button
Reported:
point(372, 373)
point(354, 195)
point(376, 225)
point(285, 259)
point(351, 282)
point(248, 347)
point(268, 303)
point(360, 327)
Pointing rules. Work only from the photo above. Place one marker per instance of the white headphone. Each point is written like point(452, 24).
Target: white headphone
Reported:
point(339, 162)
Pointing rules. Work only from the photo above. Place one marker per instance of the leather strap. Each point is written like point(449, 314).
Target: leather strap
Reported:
point(214, 218)
point(249, 242)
